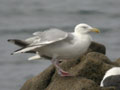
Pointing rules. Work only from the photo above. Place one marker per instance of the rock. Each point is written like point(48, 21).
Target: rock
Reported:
point(109, 88)
point(72, 83)
point(41, 81)
point(96, 47)
point(87, 72)
point(117, 62)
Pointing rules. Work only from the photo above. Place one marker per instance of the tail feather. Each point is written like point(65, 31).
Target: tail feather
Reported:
point(18, 42)
point(22, 44)
point(31, 51)
point(26, 50)
point(36, 57)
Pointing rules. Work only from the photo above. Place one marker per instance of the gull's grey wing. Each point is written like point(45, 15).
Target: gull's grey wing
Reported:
point(32, 39)
point(37, 33)
point(42, 39)
point(49, 36)
point(35, 37)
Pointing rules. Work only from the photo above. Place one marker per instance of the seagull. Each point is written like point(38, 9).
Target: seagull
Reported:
point(111, 78)
point(57, 45)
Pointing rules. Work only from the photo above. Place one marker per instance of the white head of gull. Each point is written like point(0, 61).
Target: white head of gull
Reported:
point(57, 44)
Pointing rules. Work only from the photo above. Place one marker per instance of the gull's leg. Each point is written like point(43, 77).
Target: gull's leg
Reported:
point(60, 71)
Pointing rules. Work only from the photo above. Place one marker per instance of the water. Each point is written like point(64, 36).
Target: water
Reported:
point(20, 18)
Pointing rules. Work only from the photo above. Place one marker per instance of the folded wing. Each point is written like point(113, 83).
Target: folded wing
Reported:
point(41, 39)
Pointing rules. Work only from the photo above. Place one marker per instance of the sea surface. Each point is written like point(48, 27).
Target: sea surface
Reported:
point(20, 18)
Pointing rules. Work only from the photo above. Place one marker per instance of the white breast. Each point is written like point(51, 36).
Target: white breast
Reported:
point(63, 49)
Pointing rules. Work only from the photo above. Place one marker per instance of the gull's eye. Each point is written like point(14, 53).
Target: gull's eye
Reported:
point(85, 27)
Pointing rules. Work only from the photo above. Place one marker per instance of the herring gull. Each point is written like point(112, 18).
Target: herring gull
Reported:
point(57, 44)
point(111, 78)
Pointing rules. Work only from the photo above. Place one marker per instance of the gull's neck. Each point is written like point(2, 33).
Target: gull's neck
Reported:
point(82, 35)
point(77, 32)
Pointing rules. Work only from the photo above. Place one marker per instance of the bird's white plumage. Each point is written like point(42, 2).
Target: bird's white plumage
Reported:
point(68, 49)
point(111, 72)
point(58, 45)
point(57, 42)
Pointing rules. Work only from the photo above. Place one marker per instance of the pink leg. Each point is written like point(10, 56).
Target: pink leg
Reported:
point(60, 71)
point(63, 73)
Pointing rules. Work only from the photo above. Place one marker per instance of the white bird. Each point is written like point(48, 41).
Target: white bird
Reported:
point(111, 78)
point(57, 44)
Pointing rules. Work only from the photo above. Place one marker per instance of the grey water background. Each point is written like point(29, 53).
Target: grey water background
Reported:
point(20, 18)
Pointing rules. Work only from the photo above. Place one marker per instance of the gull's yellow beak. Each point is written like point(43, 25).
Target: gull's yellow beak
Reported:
point(95, 30)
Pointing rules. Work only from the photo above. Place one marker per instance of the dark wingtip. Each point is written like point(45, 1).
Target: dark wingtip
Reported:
point(9, 40)
point(11, 54)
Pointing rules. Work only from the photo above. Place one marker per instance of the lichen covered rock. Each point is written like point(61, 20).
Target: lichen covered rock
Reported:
point(87, 72)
